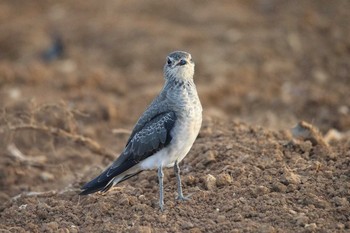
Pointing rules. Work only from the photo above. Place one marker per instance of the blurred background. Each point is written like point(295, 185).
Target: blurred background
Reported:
point(266, 62)
point(76, 75)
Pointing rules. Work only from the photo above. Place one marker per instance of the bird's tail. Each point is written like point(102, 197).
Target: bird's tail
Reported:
point(98, 184)
point(104, 182)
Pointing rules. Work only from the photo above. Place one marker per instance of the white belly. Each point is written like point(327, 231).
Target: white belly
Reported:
point(184, 134)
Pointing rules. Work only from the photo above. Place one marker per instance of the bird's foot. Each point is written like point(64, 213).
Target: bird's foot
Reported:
point(161, 206)
point(183, 198)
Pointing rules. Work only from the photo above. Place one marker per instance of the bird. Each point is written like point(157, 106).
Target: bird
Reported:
point(55, 51)
point(163, 135)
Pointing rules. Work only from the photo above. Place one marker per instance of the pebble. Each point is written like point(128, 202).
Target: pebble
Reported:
point(340, 226)
point(187, 225)
point(301, 220)
point(142, 198)
point(262, 189)
point(210, 182)
point(224, 179)
point(279, 187)
point(190, 180)
point(311, 226)
point(133, 200)
point(209, 157)
point(290, 177)
point(162, 218)
point(73, 229)
point(237, 217)
point(256, 191)
point(123, 200)
point(46, 176)
point(50, 227)
point(221, 218)
point(340, 201)
point(319, 75)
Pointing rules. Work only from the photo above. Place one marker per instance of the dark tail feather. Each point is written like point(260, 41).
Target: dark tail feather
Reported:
point(107, 187)
point(102, 182)
point(89, 191)
point(95, 186)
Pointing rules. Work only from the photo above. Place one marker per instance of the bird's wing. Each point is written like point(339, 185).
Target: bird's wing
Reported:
point(152, 137)
point(157, 107)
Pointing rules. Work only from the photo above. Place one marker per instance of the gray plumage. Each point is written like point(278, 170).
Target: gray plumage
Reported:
point(164, 133)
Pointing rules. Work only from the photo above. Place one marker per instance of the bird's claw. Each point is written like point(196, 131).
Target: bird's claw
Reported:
point(161, 206)
point(183, 198)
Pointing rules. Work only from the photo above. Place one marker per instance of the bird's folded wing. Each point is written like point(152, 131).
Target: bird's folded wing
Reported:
point(151, 138)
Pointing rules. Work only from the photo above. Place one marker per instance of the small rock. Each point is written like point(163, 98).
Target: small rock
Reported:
point(139, 207)
point(50, 227)
point(190, 180)
point(306, 147)
point(23, 207)
point(73, 229)
point(242, 200)
point(256, 191)
point(320, 76)
point(340, 201)
point(187, 225)
point(123, 200)
point(291, 188)
point(317, 201)
point(263, 190)
point(292, 212)
point(142, 198)
point(340, 226)
point(344, 110)
point(279, 187)
point(224, 179)
point(208, 157)
point(162, 218)
point(237, 217)
point(301, 220)
point(46, 176)
point(221, 218)
point(311, 226)
point(133, 200)
point(210, 182)
point(290, 177)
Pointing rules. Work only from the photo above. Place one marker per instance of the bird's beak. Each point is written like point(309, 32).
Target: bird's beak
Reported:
point(182, 62)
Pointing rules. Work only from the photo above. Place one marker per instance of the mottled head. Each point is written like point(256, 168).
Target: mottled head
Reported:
point(179, 65)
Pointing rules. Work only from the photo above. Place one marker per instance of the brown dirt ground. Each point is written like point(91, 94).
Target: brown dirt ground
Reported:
point(261, 66)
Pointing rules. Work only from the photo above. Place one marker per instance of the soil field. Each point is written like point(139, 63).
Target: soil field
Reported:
point(76, 75)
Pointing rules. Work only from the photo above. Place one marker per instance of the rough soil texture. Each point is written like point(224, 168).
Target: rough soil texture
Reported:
point(261, 67)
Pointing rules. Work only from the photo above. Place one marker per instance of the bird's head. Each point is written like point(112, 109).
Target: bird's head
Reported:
point(179, 65)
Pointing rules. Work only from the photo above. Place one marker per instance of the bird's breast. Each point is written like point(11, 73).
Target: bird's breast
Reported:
point(187, 107)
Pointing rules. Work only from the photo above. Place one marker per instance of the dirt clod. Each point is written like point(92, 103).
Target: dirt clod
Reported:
point(209, 182)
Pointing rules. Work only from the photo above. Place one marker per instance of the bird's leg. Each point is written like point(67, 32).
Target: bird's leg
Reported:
point(160, 178)
point(179, 187)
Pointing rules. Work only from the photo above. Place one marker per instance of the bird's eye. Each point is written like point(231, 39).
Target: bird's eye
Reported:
point(169, 61)
point(182, 62)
